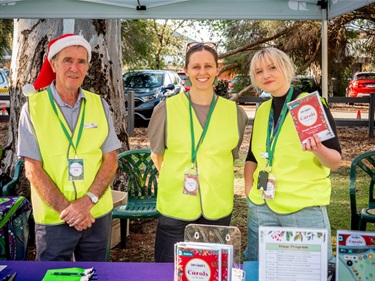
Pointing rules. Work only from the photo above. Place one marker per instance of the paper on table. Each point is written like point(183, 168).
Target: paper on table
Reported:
point(287, 253)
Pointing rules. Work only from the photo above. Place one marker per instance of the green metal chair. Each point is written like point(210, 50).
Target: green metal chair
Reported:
point(141, 187)
point(10, 188)
point(361, 216)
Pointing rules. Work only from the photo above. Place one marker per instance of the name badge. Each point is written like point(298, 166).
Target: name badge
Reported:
point(269, 192)
point(191, 181)
point(90, 125)
point(75, 169)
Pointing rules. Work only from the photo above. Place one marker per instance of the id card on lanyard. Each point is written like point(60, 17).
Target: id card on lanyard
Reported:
point(266, 180)
point(75, 165)
point(191, 175)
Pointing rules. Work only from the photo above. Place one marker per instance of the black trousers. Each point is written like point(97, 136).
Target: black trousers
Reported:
point(169, 231)
point(59, 242)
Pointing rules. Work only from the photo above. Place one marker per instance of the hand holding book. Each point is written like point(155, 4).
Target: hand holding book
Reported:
point(310, 118)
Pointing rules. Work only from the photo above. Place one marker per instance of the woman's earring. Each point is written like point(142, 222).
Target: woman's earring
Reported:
point(187, 82)
point(216, 81)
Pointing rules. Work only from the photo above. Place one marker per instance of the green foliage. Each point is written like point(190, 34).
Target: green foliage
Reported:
point(6, 32)
point(137, 44)
point(350, 37)
point(147, 43)
point(222, 88)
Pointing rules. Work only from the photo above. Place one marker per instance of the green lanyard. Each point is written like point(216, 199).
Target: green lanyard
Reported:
point(68, 136)
point(194, 150)
point(271, 141)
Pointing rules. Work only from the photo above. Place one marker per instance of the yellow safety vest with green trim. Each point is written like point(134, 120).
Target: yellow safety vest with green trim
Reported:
point(215, 162)
point(301, 181)
point(55, 151)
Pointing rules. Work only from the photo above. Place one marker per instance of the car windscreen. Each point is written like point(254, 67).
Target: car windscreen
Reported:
point(2, 79)
point(365, 76)
point(182, 76)
point(143, 80)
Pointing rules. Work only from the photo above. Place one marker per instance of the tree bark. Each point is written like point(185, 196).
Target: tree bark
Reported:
point(30, 43)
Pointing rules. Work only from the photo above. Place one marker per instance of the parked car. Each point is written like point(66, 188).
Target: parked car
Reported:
point(306, 83)
point(238, 83)
point(7, 71)
point(4, 93)
point(183, 77)
point(362, 84)
point(150, 87)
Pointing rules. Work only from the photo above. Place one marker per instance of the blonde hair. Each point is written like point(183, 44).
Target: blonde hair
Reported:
point(272, 56)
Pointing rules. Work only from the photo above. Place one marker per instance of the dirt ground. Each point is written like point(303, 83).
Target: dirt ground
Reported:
point(140, 243)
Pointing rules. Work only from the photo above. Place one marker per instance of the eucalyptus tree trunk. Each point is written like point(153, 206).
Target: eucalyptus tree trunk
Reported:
point(30, 43)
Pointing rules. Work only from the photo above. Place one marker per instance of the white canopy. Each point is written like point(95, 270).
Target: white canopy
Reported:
point(178, 9)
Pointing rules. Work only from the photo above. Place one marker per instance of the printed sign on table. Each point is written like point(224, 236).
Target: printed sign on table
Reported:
point(287, 254)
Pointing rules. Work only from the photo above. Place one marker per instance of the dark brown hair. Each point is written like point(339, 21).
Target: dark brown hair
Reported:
point(199, 48)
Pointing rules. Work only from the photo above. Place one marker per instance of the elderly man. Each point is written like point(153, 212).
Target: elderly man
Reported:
point(68, 143)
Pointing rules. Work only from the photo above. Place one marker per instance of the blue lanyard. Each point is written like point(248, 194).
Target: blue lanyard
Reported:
point(273, 133)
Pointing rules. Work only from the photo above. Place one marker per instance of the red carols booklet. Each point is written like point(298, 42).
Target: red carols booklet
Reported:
point(310, 118)
point(203, 261)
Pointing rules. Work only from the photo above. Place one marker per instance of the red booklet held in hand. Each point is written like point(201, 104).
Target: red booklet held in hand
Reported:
point(310, 118)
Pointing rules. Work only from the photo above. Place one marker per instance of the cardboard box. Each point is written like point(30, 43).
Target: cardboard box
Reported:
point(119, 198)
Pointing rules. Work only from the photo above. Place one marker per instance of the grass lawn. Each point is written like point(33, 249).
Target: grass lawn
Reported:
point(339, 210)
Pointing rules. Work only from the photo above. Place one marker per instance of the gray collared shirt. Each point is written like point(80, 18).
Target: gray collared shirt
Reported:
point(27, 142)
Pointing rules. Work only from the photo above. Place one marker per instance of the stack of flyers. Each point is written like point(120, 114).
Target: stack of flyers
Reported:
point(203, 261)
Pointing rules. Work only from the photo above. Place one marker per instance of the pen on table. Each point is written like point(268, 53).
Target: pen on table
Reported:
point(9, 277)
point(13, 276)
point(69, 273)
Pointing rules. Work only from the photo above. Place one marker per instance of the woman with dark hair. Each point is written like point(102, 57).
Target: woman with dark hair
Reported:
point(194, 138)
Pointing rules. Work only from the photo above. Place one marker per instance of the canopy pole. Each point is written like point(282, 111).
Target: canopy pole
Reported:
point(325, 53)
point(68, 26)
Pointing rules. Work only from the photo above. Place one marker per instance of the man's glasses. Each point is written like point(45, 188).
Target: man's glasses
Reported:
point(195, 45)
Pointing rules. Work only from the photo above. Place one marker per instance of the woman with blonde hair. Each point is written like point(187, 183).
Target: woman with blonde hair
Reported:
point(299, 173)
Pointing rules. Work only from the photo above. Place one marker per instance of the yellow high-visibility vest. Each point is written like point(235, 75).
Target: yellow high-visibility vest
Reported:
point(301, 181)
point(214, 159)
point(55, 150)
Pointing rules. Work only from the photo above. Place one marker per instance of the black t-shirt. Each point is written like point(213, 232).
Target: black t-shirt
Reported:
point(277, 105)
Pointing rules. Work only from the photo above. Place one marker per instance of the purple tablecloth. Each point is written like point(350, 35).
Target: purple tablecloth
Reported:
point(34, 270)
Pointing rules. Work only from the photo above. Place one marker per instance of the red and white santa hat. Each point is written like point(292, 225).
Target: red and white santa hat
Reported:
point(46, 75)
